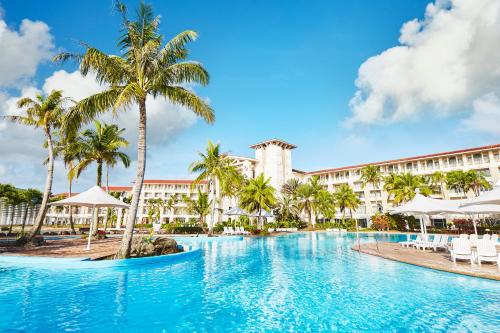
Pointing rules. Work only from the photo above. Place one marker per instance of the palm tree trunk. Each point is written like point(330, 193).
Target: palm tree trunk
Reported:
point(71, 223)
point(107, 178)
point(212, 213)
point(40, 217)
point(125, 247)
point(95, 212)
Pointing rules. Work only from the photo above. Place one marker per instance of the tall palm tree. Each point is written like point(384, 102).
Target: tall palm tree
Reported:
point(46, 113)
point(307, 196)
point(101, 146)
point(215, 168)
point(325, 203)
point(200, 206)
point(287, 208)
point(31, 197)
point(290, 187)
point(258, 195)
point(145, 69)
point(438, 180)
point(370, 174)
point(476, 182)
point(346, 198)
point(406, 187)
point(457, 180)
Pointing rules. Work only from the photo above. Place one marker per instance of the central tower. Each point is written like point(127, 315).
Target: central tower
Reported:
point(274, 160)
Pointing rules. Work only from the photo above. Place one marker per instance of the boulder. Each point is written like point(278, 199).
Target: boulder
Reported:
point(149, 246)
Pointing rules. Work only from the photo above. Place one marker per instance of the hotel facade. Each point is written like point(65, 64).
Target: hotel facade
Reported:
point(273, 158)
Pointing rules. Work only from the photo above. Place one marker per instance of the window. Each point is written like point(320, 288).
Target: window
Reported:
point(452, 161)
point(429, 164)
point(477, 159)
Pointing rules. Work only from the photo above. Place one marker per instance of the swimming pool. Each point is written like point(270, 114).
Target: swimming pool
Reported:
point(309, 282)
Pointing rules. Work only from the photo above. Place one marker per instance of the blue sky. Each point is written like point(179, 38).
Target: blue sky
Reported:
point(283, 69)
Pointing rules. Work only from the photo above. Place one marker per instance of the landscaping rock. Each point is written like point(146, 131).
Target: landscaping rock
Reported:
point(148, 246)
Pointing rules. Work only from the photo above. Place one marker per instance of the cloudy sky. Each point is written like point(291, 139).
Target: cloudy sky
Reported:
point(347, 81)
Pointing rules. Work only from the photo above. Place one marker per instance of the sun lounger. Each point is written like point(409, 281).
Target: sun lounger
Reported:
point(464, 236)
point(410, 242)
point(461, 249)
point(486, 237)
point(494, 238)
point(334, 230)
point(473, 239)
point(442, 244)
point(486, 251)
point(429, 244)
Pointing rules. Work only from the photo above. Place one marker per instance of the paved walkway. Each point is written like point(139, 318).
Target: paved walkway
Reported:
point(436, 260)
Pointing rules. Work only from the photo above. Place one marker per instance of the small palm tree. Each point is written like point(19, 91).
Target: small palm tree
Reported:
point(258, 195)
point(154, 207)
point(291, 187)
point(287, 208)
point(346, 198)
point(406, 187)
point(101, 146)
point(325, 204)
point(438, 180)
point(146, 69)
point(200, 206)
point(307, 196)
point(11, 196)
point(46, 113)
point(215, 168)
point(370, 174)
point(31, 197)
point(476, 182)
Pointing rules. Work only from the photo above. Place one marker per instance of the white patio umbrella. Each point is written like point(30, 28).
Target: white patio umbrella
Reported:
point(487, 198)
point(425, 206)
point(95, 198)
point(475, 209)
point(235, 211)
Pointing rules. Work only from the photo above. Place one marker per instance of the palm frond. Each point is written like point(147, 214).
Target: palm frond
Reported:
point(185, 98)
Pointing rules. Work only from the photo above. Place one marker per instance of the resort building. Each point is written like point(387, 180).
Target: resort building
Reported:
point(273, 158)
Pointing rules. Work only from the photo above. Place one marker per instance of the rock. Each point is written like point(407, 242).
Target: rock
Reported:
point(149, 246)
point(35, 241)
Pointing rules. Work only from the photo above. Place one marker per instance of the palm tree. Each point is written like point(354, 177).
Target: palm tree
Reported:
point(215, 168)
point(46, 113)
point(200, 206)
point(438, 180)
point(370, 174)
point(307, 195)
point(101, 146)
point(69, 146)
point(406, 187)
point(325, 204)
point(146, 69)
point(11, 196)
point(476, 182)
point(154, 207)
point(31, 197)
point(457, 181)
point(290, 187)
point(258, 195)
point(287, 208)
point(346, 198)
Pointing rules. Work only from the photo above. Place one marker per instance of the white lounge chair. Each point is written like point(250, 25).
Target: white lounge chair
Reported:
point(461, 249)
point(443, 243)
point(410, 242)
point(487, 251)
point(473, 239)
point(464, 236)
point(428, 244)
point(486, 237)
point(494, 238)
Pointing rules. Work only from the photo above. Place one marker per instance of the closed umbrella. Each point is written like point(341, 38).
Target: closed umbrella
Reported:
point(95, 198)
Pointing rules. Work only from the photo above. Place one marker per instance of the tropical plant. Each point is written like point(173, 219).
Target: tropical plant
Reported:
point(215, 168)
point(380, 222)
point(438, 181)
point(370, 174)
point(307, 196)
point(146, 69)
point(153, 207)
point(46, 113)
point(101, 146)
point(291, 187)
point(11, 197)
point(31, 197)
point(405, 187)
point(200, 206)
point(287, 208)
point(258, 195)
point(325, 204)
point(457, 181)
point(475, 182)
point(346, 198)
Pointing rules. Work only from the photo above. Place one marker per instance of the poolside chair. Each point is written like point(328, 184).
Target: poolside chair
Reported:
point(494, 238)
point(486, 237)
point(443, 243)
point(487, 251)
point(410, 242)
point(473, 239)
point(464, 236)
point(244, 232)
point(428, 244)
point(461, 249)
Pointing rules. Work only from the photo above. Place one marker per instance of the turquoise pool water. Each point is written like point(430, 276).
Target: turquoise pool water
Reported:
point(308, 282)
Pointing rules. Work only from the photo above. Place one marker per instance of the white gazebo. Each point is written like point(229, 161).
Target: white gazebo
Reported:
point(94, 198)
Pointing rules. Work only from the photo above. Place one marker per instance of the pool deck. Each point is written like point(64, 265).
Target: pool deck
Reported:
point(436, 260)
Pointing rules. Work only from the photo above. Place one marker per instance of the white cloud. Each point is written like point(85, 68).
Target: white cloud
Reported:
point(23, 50)
point(444, 62)
point(485, 115)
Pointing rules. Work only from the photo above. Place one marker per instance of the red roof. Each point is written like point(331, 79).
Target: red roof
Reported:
point(118, 188)
point(171, 181)
point(452, 152)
